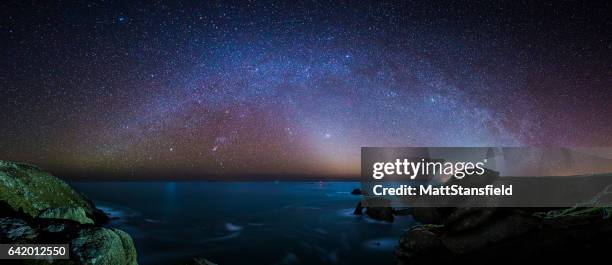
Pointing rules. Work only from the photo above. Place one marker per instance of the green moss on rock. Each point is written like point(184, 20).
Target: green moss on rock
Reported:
point(69, 213)
point(28, 189)
point(102, 246)
point(38, 208)
point(128, 246)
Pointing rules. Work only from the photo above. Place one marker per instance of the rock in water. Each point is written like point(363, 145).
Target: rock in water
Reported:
point(356, 192)
point(31, 191)
point(380, 213)
point(402, 211)
point(358, 209)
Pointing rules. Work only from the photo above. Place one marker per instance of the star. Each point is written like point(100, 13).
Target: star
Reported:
point(236, 86)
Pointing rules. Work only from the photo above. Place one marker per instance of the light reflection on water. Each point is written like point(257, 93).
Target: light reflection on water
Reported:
point(246, 222)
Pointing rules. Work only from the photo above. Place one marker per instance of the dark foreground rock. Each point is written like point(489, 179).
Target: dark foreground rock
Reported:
point(89, 244)
point(506, 236)
point(38, 208)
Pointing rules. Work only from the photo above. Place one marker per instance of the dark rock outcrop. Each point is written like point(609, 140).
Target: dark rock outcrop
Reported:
point(16, 230)
point(356, 192)
point(358, 209)
point(506, 236)
point(476, 235)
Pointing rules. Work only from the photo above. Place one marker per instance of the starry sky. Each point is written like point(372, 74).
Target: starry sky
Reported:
point(294, 88)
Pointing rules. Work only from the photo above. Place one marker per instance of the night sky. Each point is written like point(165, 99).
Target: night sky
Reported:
point(294, 88)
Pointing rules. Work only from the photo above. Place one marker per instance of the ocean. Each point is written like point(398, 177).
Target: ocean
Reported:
point(246, 222)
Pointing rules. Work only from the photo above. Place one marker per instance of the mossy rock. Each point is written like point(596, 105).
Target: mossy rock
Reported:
point(128, 246)
point(69, 213)
point(89, 244)
point(42, 208)
point(102, 246)
point(31, 191)
point(16, 230)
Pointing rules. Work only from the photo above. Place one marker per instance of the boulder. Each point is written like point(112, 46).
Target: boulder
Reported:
point(358, 209)
point(422, 238)
point(89, 244)
point(128, 246)
point(16, 230)
point(356, 192)
point(102, 246)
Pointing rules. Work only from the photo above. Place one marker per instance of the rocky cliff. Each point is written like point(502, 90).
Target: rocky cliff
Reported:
point(506, 235)
point(36, 207)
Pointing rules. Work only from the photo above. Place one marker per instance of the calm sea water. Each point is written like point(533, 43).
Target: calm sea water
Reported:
point(246, 222)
